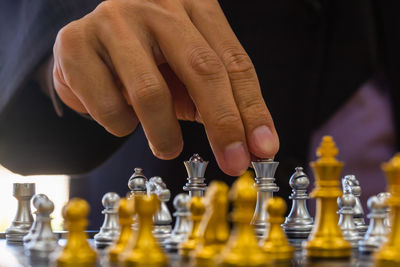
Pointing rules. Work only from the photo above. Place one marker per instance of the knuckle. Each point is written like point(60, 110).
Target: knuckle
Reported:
point(226, 119)
point(148, 89)
point(69, 37)
point(106, 10)
point(205, 62)
point(237, 62)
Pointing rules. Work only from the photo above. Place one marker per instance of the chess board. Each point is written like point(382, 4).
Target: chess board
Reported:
point(14, 255)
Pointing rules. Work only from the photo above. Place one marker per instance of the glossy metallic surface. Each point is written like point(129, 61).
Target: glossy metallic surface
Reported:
point(23, 219)
point(162, 219)
point(298, 224)
point(265, 185)
point(35, 201)
point(389, 253)
point(326, 239)
point(109, 231)
point(377, 231)
point(242, 248)
point(346, 221)
point(195, 167)
point(183, 223)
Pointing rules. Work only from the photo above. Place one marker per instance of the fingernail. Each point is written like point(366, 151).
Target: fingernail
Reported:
point(236, 158)
point(263, 139)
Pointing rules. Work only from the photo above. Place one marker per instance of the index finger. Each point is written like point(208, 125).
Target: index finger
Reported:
point(205, 77)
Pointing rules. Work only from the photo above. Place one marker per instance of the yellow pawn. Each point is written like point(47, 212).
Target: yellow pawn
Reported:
point(214, 227)
point(242, 248)
point(276, 245)
point(77, 252)
point(389, 254)
point(197, 210)
point(125, 213)
point(145, 249)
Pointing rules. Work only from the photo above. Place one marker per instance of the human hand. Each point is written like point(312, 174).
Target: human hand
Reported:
point(155, 62)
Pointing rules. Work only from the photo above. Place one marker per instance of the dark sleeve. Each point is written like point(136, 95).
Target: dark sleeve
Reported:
point(33, 139)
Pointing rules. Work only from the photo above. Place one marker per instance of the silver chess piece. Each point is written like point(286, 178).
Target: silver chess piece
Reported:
point(377, 231)
point(195, 167)
point(109, 231)
point(298, 224)
point(265, 184)
point(346, 221)
point(35, 201)
point(23, 220)
point(43, 241)
point(183, 223)
point(137, 183)
point(162, 219)
point(385, 196)
point(353, 186)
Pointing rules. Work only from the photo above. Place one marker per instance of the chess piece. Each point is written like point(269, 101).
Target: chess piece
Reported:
point(197, 210)
point(162, 219)
point(298, 223)
point(242, 248)
point(214, 228)
point(109, 231)
point(195, 167)
point(385, 197)
point(389, 253)
point(346, 221)
point(125, 215)
point(145, 250)
point(77, 251)
point(43, 241)
point(23, 219)
point(137, 183)
point(377, 231)
point(326, 239)
point(182, 225)
point(265, 171)
point(354, 188)
point(276, 245)
point(35, 201)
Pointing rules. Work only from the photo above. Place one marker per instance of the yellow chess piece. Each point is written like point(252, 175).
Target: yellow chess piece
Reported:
point(276, 244)
point(77, 252)
point(389, 254)
point(145, 249)
point(197, 210)
point(125, 213)
point(214, 227)
point(326, 239)
point(242, 248)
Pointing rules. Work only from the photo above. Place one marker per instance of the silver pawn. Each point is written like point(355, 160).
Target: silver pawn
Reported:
point(43, 241)
point(385, 196)
point(377, 231)
point(346, 221)
point(35, 201)
point(195, 168)
point(23, 220)
point(354, 187)
point(109, 231)
point(183, 223)
point(162, 219)
point(265, 185)
point(298, 223)
point(137, 183)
